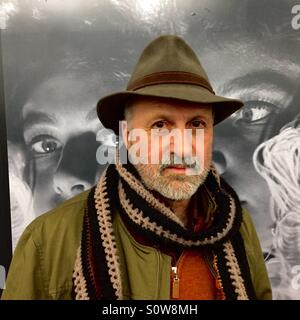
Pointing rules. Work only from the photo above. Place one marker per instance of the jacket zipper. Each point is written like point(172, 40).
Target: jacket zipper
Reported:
point(175, 284)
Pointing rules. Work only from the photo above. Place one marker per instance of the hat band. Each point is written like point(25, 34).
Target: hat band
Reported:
point(167, 77)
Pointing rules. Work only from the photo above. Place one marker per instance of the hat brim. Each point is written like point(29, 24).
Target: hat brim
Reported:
point(110, 109)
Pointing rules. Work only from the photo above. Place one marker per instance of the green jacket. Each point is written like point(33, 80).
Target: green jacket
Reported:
point(42, 265)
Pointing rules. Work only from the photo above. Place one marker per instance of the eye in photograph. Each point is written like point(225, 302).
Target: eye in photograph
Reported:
point(255, 113)
point(44, 145)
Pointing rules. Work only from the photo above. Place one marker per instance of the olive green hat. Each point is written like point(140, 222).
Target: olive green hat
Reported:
point(167, 68)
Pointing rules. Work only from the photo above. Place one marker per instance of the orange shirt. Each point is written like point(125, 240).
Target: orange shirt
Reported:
point(196, 281)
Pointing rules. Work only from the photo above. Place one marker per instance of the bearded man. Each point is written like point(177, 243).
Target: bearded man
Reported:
point(163, 225)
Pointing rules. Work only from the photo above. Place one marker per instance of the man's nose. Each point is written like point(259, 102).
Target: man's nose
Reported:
point(181, 142)
point(77, 168)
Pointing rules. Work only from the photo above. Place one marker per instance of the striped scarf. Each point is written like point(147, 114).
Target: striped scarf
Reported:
point(97, 272)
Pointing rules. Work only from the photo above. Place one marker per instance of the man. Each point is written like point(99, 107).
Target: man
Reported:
point(150, 230)
point(251, 52)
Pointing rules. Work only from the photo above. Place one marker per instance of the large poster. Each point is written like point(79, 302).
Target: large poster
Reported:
point(60, 57)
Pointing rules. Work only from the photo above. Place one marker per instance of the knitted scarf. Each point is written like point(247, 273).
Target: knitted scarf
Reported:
point(97, 272)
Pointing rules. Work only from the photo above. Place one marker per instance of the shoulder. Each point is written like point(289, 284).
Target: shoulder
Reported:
point(43, 261)
point(247, 228)
point(65, 217)
point(255, 258)
point(249, 234)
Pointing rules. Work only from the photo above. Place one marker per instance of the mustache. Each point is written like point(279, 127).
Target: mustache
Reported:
point(176, 161)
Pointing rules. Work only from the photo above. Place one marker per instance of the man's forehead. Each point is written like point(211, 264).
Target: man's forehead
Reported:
point(169, 106)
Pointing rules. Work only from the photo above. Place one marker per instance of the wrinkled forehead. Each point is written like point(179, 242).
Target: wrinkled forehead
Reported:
point(64, 94)
point(144, 108)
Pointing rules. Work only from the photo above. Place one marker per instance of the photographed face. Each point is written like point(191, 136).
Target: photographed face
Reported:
point(60, 127)
point(258, 61)
point(268, 95)
point(177, 166)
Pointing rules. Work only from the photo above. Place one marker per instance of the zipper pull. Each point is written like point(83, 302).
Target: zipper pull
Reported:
point(175, 284)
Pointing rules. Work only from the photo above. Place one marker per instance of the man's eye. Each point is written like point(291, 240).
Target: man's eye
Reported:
point(198, 124)
point(159, 125)
point(44, 145)
point(255, 112)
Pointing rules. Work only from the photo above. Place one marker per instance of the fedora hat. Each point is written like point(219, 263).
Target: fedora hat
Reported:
point(167, 68)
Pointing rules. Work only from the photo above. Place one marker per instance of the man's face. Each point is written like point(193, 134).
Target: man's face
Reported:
point(160, 117)
point(60, 127)
point(253, 54)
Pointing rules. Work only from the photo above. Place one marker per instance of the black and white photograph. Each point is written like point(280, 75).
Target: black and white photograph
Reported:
point(60, 57)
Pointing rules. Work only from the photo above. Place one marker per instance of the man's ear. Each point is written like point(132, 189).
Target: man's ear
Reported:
point(124, 129)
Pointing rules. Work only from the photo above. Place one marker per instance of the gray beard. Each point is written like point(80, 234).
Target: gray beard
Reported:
point(173, 187)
